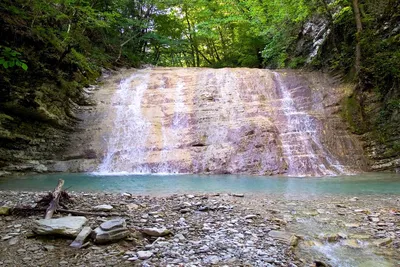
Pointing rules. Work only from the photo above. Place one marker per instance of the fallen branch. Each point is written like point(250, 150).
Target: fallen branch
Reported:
point(29, 211)
point(54, 202)
point(88, 213)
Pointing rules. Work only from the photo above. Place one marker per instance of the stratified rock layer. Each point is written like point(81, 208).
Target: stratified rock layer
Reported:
point(193, 120)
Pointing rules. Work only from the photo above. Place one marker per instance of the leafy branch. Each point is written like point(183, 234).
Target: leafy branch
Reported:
point(10, 58)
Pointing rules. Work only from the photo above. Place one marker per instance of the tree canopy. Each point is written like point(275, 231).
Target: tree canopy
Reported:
point(71, 40)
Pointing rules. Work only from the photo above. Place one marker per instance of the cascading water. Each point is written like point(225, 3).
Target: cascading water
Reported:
point(300, 139)
point(224, 121)
point(169, 134)
point(126, 151)
point(163, 167)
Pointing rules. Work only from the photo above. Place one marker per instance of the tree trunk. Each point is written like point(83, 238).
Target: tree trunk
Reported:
point(357, 16)
point(190, 39)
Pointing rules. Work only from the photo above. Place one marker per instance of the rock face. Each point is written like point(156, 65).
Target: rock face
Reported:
point(313, 35)
point(250, 121)
point(110, 231)
point(69, 226)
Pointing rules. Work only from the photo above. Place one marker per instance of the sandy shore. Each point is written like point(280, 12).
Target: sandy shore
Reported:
point(213, 230)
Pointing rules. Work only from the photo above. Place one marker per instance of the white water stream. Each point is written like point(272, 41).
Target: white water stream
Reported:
point(126, 152)
point(170, 134)
point(300, 140)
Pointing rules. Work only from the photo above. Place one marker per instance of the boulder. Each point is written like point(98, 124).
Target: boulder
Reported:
point(69, 226)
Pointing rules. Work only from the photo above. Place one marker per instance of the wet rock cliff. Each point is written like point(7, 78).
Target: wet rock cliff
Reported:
point(192, 120)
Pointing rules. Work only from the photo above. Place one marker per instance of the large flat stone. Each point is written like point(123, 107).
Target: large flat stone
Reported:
point(67, 226)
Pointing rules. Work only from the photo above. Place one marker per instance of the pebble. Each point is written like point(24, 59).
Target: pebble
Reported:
point(156, 231)
point(383, 242)
point(144, 255)
point(49, 248)
point(103, 207)
point(132, 206)
point(213, 260)
point(352, 225)
point(6, 237)
point(13, 241)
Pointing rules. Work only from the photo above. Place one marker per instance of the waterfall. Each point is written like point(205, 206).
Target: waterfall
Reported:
point(126, 151)
point(163, 167)
point(301, 144)
point(169, 134)
point(244, 121)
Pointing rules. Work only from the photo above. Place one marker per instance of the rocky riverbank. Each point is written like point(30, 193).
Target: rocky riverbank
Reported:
point(212, 230)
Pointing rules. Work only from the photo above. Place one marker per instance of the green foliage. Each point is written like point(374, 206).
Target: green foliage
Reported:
point(10, 58)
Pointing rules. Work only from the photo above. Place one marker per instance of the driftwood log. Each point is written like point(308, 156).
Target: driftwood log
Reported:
point(54, 202)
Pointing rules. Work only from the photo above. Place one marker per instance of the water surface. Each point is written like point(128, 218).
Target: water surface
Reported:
point(370, 183)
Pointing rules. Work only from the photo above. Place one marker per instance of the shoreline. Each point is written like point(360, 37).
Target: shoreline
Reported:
point(211, 230)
